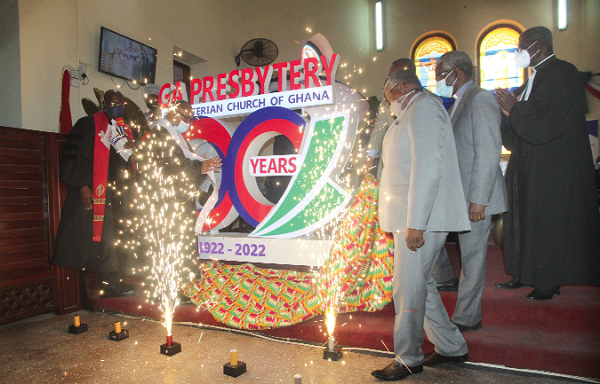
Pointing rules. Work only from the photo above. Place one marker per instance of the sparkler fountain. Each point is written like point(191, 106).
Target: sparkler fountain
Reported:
point(331, 278)
point(163, 225)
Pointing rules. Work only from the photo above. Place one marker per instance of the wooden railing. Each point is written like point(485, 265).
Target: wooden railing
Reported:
point(31, 198)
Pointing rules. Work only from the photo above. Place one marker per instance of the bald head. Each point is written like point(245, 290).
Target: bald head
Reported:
point(181, 110)
point(541, 34)
point(112, 95)
point(403, 64)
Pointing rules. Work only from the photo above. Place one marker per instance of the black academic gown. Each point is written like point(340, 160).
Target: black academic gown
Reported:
point(74, 245)
point(552, 227)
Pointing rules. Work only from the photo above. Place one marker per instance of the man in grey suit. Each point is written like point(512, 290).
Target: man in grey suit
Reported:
point(383, 119)
point(475, 118)
point(420, 200)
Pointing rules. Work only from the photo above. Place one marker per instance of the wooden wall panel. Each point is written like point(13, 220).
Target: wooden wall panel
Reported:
point(30, 205)
point(67, 280)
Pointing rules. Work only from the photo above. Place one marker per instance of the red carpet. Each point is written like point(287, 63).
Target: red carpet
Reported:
point(561, 335)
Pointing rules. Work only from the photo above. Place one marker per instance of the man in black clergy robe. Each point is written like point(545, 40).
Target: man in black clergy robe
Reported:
point(100, 184)
point(552, 227)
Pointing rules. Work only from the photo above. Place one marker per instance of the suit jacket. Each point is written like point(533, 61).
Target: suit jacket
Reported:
point(420, 183)
point(383, 121)
point(476, 125)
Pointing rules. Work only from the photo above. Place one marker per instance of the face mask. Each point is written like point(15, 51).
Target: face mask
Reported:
point(523, 58)
point(395, 107)
point(182, 127)
point(115, 112)
point(443, 89)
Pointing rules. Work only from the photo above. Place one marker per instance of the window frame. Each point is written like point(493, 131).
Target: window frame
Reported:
point(483, 35)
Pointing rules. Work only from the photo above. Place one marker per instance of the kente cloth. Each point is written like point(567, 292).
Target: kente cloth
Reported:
point(357, 276)
point(101, 156)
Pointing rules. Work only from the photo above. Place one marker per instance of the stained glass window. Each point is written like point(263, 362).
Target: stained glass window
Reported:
point(426, 54)
point(496, 51)
point(311, 50)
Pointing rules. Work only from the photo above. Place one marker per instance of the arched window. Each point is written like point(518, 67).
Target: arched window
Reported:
point(495, 51)
point(311, 50)
point(316, 47)
point(426, 50)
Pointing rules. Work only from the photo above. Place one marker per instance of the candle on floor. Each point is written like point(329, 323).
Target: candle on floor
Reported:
point(76, 321)
point(169, 340)
point(233, 358)
point(117, 326)
point(331, 343)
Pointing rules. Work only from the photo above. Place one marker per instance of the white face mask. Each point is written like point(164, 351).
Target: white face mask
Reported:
point(395, 107)
point(182, 127)
point(523, 58)
point(443, 89)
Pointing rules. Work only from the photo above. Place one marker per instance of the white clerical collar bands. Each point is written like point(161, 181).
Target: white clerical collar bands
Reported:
point(542, 61)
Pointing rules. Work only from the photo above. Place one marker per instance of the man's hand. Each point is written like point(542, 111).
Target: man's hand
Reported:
point(86, 196)
point(129, 145)
point(506, 100)
point(368, 164)
point(211, 164)
point(414, 239)
point(476, 212)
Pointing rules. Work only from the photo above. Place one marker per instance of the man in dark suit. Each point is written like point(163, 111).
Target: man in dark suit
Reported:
point(552, 224)
point(475, 118)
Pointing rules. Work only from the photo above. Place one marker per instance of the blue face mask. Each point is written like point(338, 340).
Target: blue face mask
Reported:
point(443, 89)
point(115, 112)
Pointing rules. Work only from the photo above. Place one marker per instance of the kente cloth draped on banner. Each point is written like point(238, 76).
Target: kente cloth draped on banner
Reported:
point(358, 271)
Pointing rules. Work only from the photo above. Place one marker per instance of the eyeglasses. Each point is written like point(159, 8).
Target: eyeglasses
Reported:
point(185, 118)
point(385, 95)
point(442, 75)
point(531, 45)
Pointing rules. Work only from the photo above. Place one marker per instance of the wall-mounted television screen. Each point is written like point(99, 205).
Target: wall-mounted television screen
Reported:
point(128, 59)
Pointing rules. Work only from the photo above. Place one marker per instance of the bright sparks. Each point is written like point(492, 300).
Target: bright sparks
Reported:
point(162, 223)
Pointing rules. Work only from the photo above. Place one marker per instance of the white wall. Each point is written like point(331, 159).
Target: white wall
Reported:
point(55, 33)
point(48, 43)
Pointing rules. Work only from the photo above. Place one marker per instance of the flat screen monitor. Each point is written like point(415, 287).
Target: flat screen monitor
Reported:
point(128, 59)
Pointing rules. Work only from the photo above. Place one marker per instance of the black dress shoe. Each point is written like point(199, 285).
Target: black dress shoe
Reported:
point(466, 328)
point(435, 358)
point(513, 283)
point(395, 371)
point(544, 294)
point(448, 285)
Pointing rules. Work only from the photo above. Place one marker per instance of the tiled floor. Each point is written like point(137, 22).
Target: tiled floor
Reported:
point(39, 350)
